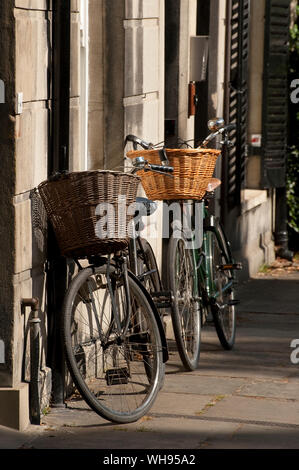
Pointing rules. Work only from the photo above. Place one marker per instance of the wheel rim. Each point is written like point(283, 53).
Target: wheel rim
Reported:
point(118, 373)
point(226, 313)
point(187, 308)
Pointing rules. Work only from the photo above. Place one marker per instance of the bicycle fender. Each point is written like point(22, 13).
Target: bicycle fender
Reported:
point(156, 314)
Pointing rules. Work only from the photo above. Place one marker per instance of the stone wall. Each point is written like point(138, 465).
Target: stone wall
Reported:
point(7, 189)
point(126, 80)
point(25, 68)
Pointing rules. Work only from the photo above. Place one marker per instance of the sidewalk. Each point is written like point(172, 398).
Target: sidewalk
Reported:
point(245, 398)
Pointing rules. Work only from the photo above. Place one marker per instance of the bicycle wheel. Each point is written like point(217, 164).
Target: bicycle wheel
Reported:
point(185, 310)
point(224, 315)
point(146, 263)
point(116, 369)
point(152, 282)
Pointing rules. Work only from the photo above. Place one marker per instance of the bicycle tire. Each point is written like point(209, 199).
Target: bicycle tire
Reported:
point(186, 321)
point(109, 372)
point(152, 282)
point(224, 318)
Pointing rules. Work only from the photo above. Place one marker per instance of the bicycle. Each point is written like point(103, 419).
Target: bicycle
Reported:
point(201, 278)
point(113, 337)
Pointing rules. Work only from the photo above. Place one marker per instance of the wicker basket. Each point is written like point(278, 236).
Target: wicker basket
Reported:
point(193, 169)
point(71, 203)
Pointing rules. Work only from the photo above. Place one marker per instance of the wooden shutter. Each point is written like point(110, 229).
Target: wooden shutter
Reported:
point(237, 98)
point(275, 93)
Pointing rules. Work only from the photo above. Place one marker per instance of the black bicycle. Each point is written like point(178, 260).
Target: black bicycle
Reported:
point(113, 336)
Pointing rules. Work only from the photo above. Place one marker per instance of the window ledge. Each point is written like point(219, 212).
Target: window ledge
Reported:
point(252, 198)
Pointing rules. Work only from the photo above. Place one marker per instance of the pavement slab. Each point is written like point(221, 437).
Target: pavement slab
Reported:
point(258, 437)
point(253, 410)
point(269, 295)
point(196, 384)
point(284, 389)
point(155, 433)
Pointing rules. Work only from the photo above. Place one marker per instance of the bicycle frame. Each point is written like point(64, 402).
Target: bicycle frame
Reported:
point(133, 272)
point(202, 258)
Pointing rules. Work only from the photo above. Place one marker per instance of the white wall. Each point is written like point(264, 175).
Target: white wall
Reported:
point(144, 84)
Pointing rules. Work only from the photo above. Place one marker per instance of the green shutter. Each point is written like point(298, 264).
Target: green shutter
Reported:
point(237, 103)
point(275, 93)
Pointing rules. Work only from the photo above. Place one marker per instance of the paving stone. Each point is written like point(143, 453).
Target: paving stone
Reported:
point(270, 295)
point(155, 433)
point(285, 389)
point(258, 437)
point(202, 385)
point(248, 409)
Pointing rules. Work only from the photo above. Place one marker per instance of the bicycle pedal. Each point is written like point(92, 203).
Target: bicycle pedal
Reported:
point(231, 267)
point(117, 376)
point(162, 299)
point(167, 294)
point(163, 305)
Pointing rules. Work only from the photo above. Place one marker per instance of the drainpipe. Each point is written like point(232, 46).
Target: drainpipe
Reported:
point(34, 386)
point(281, 230)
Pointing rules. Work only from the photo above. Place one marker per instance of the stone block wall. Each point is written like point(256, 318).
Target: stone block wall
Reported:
point(25, 68)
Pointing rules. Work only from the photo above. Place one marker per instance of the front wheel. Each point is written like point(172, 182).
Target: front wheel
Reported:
point(224, 312)
point(115, 360)
point(185, 310)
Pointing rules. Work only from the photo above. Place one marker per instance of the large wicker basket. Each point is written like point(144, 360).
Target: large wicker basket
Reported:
point(193, 169)
point(71, 203)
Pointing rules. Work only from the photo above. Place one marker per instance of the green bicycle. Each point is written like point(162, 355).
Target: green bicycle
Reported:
point(201, 274)
point(200, 269)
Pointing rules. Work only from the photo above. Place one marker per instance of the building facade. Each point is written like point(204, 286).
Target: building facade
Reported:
point(75, 80)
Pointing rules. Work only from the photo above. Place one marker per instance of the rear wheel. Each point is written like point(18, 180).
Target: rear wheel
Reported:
point(185, 309)
point(117, 372)
point(224, 312)
point(147, 264)
point(152, 282)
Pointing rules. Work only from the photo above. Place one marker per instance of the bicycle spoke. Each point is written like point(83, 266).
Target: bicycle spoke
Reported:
point(120, 366)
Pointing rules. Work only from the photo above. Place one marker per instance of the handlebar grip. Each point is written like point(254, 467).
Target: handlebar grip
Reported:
point(230, 127)
point(137, 141)
point(160, 168)
point(210, 137)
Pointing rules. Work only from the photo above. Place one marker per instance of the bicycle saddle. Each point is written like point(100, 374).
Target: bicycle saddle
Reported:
point(145, 206)
point(213, 184)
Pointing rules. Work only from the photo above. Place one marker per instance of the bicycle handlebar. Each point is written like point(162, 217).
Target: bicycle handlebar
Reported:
point(160, 168)
point(229, 127)
point(139, 163)
point(137, 141)
point(146, 145)
point(223, 130)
